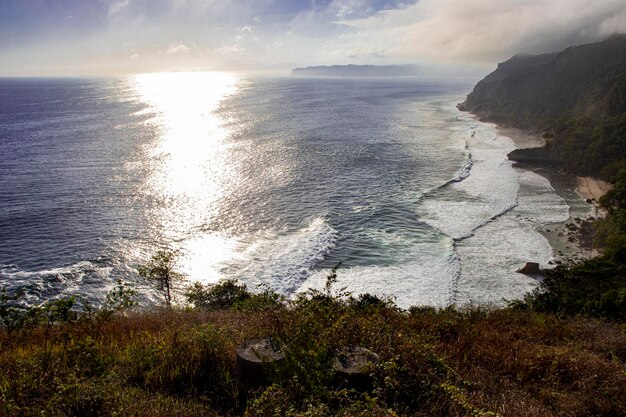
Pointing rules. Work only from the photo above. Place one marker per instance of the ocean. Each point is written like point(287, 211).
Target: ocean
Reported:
point(268, 180)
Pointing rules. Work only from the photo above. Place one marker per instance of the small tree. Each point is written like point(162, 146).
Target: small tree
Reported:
point(160, 269)
point(12, 315)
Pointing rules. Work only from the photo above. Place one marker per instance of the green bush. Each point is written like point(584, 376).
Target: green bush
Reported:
point(217, 296)
point(595, 287)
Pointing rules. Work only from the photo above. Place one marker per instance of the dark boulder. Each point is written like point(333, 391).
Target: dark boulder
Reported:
point(531, 268)
point(353, 365)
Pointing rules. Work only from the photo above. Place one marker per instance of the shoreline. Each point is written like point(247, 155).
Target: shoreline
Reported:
point(571, 240)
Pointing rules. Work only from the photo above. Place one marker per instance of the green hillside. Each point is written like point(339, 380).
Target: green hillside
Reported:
point(577, 97)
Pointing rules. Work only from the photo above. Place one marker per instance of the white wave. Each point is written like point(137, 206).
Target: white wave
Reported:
point(58, 282)
point(539, 201)
point(493, 216)
point(490, 258)
point(463, 173)
point(283, 261)
point(488, 190)
point(427, 280)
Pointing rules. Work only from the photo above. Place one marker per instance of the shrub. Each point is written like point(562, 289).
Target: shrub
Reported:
point(217, 296)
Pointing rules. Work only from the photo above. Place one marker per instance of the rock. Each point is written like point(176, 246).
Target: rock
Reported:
point(353, 365)
point(588, 201)
point(253, 356)
point(531, 268)
point(354, 360)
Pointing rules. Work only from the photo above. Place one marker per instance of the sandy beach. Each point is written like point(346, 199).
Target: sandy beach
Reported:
point(592, 188)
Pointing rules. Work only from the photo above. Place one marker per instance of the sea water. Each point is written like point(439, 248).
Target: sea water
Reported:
point(268, 180)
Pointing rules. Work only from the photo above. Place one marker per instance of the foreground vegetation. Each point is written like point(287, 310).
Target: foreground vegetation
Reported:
point(181, 360)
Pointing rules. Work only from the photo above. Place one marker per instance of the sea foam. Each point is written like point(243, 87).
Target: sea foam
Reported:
point(282, 260)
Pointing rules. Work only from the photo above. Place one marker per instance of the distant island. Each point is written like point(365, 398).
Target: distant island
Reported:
point(356, 71)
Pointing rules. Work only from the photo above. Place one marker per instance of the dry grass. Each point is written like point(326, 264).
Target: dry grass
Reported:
point(446, 363)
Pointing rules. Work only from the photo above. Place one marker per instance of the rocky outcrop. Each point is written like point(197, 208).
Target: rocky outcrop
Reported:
point(538, 156)
point(531, 268)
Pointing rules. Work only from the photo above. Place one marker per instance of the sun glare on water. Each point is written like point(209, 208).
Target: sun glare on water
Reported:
point(189, 162)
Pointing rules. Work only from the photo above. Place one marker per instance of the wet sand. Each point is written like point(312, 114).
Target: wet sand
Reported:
point(521, 138)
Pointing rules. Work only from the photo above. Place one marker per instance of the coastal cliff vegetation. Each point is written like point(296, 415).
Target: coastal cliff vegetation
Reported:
point(576, 98)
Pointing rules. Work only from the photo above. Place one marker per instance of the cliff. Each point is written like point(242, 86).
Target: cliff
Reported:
point(576, 96)
point(528, 90)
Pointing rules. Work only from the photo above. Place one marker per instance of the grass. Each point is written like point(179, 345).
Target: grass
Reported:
point(448, 362)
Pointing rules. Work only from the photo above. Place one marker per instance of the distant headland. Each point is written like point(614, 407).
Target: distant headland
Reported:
point(356, 71)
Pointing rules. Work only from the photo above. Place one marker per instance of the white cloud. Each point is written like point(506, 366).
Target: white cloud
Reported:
point(234, 49)
point(486, 30)
point(179, 48)
point(116, 6)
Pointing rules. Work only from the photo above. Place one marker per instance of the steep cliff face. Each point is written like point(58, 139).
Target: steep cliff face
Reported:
point(577, 96)
point(528, 91)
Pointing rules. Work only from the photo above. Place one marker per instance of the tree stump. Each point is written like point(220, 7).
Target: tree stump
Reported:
point(253, 356)
point(353, 365)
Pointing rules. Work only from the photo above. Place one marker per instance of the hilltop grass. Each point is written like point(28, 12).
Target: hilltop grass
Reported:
point(174, 362)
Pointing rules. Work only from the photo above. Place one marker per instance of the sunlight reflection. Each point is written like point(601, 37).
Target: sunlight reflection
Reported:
point(189, 161)
point(190, 131)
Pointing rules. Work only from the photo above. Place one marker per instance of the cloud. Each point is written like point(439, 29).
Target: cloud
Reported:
point(234, 49)
point(486, 30)
point(179, 48)
point(305, 32)
point(116, 6)
point(244, 29)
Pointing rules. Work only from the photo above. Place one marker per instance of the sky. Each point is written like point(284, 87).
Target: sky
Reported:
point(100, 37)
